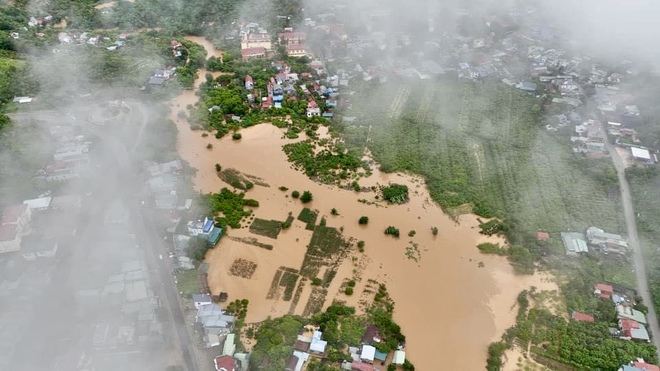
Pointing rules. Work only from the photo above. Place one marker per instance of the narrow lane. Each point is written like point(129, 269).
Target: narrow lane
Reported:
point(633, 242)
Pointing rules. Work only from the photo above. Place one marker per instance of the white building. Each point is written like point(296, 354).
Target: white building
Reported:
point(368, 353)
point(41, 203)
point(201, 299)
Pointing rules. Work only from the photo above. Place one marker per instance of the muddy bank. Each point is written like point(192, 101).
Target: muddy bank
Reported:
point(450, 300)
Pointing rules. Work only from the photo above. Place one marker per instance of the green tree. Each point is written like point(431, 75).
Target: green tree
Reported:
point(363, 220)
point(306, 197)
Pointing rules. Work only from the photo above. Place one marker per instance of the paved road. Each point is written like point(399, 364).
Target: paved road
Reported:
point(633, 242)
point(151, 239)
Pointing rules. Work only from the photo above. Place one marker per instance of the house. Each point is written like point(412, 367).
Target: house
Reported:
point(256, 40)
point(33, 247)
point(598, 237)
point(18, 215)
point(312, 108)
point(302, 344)
point(249, 82)
point(157, 81)
point(22, 100)
point(256, 52)
point(291, 363)
point(603, 291)
point(574, 243)
point(381, 356)
point(625, 312)
point(542, 236)
point(640, 364)
point(317, 345)
point(296, 50)
point(204, 227)
point(360, 366)
point(302, 358)
point(201, 299)
point(527, 86)
point(40, 204)
point(291, 37)
point(72, 201)
point(642, 155)
point(368, 353)
point(229, 347)
point(582, 317)
point(225, 363)
point(10, 238)
point(399, 357)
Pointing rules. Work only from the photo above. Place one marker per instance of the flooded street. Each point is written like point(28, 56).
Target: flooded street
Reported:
point(451, 296)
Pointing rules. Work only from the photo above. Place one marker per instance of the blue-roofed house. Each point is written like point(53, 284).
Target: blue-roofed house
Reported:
point(204, 227)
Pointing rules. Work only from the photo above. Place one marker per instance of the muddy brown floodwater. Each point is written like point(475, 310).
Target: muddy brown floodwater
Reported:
point(450, 306)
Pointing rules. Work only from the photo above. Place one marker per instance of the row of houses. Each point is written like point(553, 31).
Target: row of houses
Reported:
point(595, 238)
point(631, 322)
point(363, 357)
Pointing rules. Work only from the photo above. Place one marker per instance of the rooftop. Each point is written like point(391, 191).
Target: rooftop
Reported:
point(8, 232)
point(646, 366)
point(224, 363)
point(368, 352)
point(38, 203)
point(579, 316)
point(11, 214)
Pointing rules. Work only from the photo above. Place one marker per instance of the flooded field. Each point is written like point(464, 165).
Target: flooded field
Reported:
point(450, 300)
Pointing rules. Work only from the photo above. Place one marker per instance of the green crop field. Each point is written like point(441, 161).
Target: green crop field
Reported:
point(483, 144)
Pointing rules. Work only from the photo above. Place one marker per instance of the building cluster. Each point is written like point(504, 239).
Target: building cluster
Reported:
point(256, 42)
point(364, 356)
point(631, 323)
point(163, 184)
point(68, 37)
point(594, 239)
point(218, 332)
point(71, 158)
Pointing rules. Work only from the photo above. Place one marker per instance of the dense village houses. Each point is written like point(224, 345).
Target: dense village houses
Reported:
point(291, 37)
point(256, 40)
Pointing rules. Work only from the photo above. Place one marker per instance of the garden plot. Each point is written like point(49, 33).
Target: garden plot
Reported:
point(243, 268)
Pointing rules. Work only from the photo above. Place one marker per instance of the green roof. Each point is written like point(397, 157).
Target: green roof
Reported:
point(214, 236)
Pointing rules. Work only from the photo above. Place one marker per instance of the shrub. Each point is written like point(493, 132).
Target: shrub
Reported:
point(356, 186)
point(364, 220)
point(204, 135)
point(334, 211)
point(349, 291)
point(395, 193)
point(392, 231)
point(306, 197)
point(360, 246)
point(434, 230)
point(317, 281)
point(218, 168)
point(351, 283)
point(295, 194)
point(251, 202)
point(411, 234)
point(249, 185)
point(284, 189)
point(209, 146)
point(236, 136)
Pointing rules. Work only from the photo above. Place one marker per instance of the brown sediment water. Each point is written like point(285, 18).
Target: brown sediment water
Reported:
point(450, 306)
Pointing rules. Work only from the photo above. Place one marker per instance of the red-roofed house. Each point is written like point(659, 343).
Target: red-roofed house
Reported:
point(360, 366)
point(249, 53)
point(249, 82)
point(583, 317)
point(313, 108)
point(10, 238)
point(292, 37)
point(296, 50)
point(267, 103)
point(646, 366)
point(225, 363)
point(542, 236)
point(18, 215)
point(603, 291)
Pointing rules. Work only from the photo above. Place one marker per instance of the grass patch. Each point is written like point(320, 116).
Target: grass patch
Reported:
point(308, 216)
point(328, 164)
point(395, 193)
point(243, 268)
point(266, 228)
point(234, 178)
point(228, 206)
point(288, 280)
point(315, 302)
point(188, 282)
